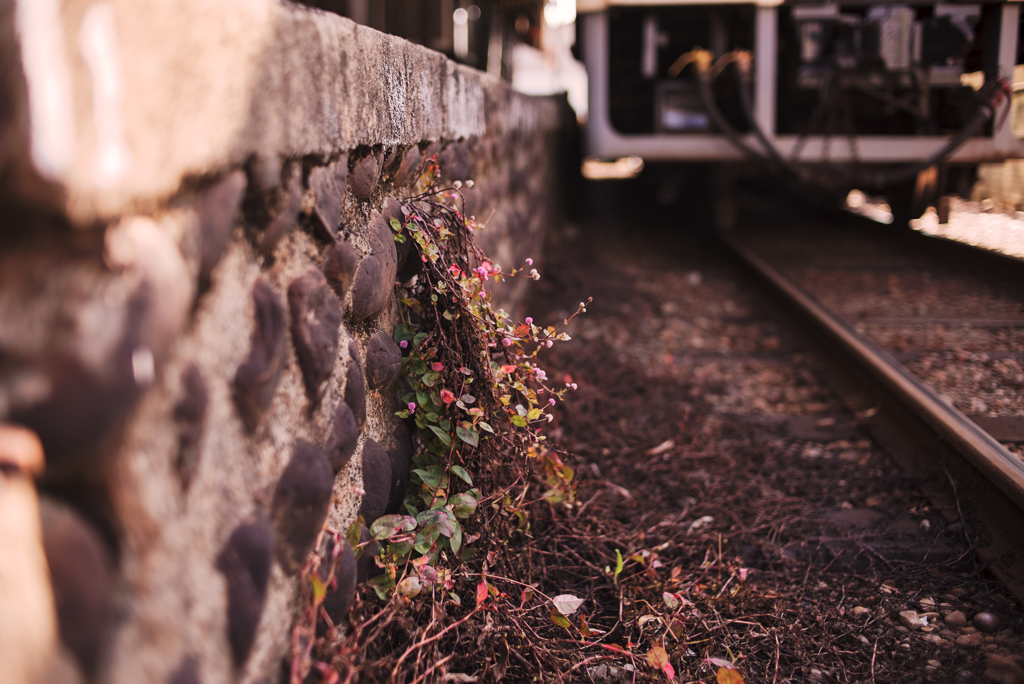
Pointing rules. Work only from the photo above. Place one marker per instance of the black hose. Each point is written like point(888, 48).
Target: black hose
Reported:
point(704, 79)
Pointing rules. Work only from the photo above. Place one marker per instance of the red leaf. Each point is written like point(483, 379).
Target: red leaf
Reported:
point(481, 592)
point(507, 369)
point(447, 397)
point(437, 366)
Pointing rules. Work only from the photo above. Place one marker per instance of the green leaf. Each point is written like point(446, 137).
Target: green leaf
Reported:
point(429, 520)
point(354, 533)
point(399, 550)
point(388, 526)
point(456, 539)
point(486, 426)
point(618, 563)
point(445, 424)
point(518, 421)
point(430, 378)
point(463, 505)
point(461, 473)
point(418, 340)
point(403, 332)
point(559, 619)
point(431, 476)
point(395, 225)
point(382, 584)
point(467, 435)
point(534, 414)
point(441, 435)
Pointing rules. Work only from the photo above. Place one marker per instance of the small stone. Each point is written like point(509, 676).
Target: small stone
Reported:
point(408, 170)
point(383, 361)
point(342, 441)
point(82, 577)
point(968, 630)
point(949, 634)
point(911, 620)
point(301, 499)
point(256, 379)
point(986, 622)
point(340, 264)
point(935, 663)
point(861, 610)
point(190, 415)
point(970, 640)
point(245, 563)
point(328, 186)
point(286, 215)
point(316, 317)
point(355, 385)
point(217, 213)
point(955, 619)
point(1005, 666)
point(365, 173)
point(934, 639)
point(376, 481)
point(964, 677)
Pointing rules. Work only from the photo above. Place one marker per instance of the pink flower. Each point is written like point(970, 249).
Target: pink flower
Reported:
point(541, 375)
point(403, 344)
point(551, 401)
point(549, 344)
point(529, 261)
point(574, 386)
point(529, 320)
point(412, 407)
point(507, 342)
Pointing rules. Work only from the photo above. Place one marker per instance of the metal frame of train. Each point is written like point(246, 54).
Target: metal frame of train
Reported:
point(847, 94)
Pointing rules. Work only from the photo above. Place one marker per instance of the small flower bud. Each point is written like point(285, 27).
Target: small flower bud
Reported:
point(403, 344)
point(574, 386)
point(529, 321)
point(549, 344)
point(529, 261)
point(470, 183)
point(507, 342)
point(551, 401)
point(457, 184)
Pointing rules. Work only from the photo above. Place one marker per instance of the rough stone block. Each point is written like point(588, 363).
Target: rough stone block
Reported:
point(217, 214)
point(256, 379)
point(186, 673)
point(82, 577)
point(376, 481)
point(383, 361)
point(342, 441)
point(245, 563)
point(400, 453)
point(375, 275)
point(364, 176)
point(316, 317)
point(190, 414)
point(340, 263)
point(341, 594)
point(328, 186)
point(355, 385)
point(408, 170)
point(287, 214)
point(300, 503)
point(365, 565)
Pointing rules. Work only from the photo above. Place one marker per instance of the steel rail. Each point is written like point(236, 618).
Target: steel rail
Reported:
point(986, 454)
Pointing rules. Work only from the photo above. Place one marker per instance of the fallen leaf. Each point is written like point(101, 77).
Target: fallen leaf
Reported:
point(659, 659)
point(481, 592)
point(559, 619)
point(567, 604)
point(727, 676)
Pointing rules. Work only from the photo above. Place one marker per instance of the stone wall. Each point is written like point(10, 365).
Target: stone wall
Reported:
point(196, 306)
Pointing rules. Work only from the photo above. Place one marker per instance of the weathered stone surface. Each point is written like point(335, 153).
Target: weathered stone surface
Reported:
point(186, 673)
point(245, 564)
point(190, 414)
point(400, 453)
point(375, 275)
point(328, 186)
point(341, 594)
point(376, 481)
point(364, 176)
point(300, 503)
point(256, 379)
point(316, 316)
point(366, 567)
point(340, 263)
point(82, 577)
point(217, 213)
point(383, 361)
point(355, 385)
point(454, 161)
point(287, 213)
point(408, 170)
point(344, 437)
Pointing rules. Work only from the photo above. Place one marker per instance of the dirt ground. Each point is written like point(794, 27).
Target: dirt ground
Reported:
point(756, 522)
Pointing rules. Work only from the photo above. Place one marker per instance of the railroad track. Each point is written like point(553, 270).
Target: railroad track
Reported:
point(896, 316)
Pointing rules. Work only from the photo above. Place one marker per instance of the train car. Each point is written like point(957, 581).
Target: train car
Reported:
point(904, 98)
